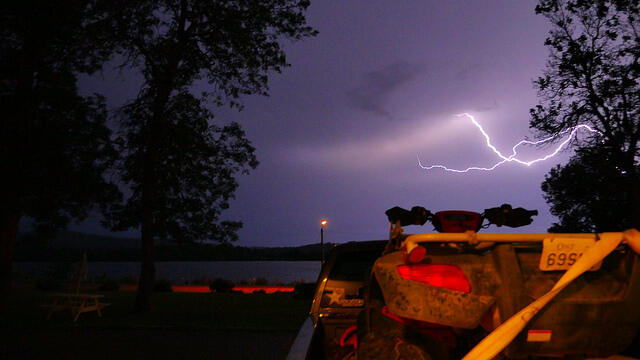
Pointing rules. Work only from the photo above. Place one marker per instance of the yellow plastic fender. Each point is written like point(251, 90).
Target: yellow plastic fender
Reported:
point(499, 338)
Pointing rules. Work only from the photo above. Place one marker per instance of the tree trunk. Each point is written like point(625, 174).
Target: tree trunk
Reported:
point(633, 177)
point(147, 266)
point(164, 86)
point(150, 201)
point(635, 191)
point(8, 231)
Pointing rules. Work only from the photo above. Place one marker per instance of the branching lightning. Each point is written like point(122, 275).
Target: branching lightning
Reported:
point(514, 150)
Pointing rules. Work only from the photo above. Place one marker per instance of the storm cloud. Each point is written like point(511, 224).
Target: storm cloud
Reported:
point(376, 86)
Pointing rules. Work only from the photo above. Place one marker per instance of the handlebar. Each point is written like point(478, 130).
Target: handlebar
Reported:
point(503, 215)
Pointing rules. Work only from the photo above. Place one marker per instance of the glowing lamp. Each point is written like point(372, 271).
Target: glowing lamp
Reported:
point(323, 222)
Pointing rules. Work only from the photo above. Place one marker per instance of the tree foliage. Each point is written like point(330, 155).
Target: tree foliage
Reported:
point(232, 45)
point(589, 194)
point(178, 165)
point(194, 170)
point(54, 145)
point(592, 78)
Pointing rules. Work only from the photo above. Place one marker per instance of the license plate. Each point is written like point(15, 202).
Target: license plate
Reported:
point(561, 253)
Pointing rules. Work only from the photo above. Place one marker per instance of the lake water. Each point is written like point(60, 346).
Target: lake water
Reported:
point(181, 272)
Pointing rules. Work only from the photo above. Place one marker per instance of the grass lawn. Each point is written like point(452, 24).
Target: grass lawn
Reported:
point(181, 325)
point(213, 311)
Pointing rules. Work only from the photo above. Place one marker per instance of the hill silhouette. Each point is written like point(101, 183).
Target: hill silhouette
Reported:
point(70, 245)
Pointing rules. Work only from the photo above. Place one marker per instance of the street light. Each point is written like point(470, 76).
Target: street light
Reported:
point(323, 223)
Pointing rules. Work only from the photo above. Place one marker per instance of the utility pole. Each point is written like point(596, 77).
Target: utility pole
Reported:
point(323, 222)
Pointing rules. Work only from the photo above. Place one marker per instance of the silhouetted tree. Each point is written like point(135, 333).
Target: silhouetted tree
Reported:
point(589, 194)
point(179, 167)
point(592, 78)
point(54, 145)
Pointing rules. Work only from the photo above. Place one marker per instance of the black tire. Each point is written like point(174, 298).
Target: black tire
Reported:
point(380, 337)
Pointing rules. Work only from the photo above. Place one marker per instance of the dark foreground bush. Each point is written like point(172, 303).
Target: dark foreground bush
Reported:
point(201, 281)
point(260, 282)
point(109, 285)
point(162, 285)
point(221, 285)
point(304, 290)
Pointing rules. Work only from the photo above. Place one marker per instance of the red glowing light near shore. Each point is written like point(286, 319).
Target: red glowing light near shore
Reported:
point(206, 289)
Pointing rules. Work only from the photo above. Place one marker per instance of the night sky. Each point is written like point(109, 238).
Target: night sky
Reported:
point(339, 135)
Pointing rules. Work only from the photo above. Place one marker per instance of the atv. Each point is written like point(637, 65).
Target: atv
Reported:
point(459, 293)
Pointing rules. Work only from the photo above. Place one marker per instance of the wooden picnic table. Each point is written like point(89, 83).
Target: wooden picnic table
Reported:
point(74, 302)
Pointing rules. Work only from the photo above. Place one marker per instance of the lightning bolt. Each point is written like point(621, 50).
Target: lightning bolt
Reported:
point(514, 150)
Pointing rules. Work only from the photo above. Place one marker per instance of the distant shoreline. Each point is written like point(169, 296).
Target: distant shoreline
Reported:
point(68, 246)
point(194, 289)
point(165, 261)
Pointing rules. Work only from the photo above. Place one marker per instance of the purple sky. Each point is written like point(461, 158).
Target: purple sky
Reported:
point(381, 83)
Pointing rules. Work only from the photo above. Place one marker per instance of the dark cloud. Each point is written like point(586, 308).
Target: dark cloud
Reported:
point(376, 86)
point(487, 107)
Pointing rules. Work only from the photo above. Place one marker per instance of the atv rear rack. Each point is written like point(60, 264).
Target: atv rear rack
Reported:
point(473, 238)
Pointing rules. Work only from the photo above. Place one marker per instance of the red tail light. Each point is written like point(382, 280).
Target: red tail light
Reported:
point(440, 275)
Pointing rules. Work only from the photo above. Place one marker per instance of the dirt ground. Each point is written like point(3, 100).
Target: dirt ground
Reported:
point(145, 344)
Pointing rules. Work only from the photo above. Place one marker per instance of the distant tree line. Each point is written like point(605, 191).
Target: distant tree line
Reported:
point(30, 247)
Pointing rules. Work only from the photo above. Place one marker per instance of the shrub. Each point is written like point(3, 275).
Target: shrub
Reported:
point(201, 281)
point(162, 285)
point(260, 282)
point(304, 290)
point(221, 285)
point(109, 285)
